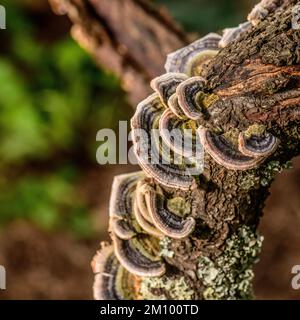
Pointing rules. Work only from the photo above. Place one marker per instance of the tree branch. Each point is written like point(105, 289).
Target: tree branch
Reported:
point(129, 38)
point(254, 82)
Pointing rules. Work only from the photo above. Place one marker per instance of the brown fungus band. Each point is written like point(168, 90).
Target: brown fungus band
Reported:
point(174, 106)
point(167, 222)
point(232, 34)
point(190, 59)
point(120, 208)
point(262, 10)
point(155, 158)
point(261, 145)
point(112, 281)
point(225, 153)
point(138, 257)
point(166, 84)
point(189, 95)
point(179, 135)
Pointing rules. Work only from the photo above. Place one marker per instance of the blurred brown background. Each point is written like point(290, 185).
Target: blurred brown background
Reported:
point(54, 197)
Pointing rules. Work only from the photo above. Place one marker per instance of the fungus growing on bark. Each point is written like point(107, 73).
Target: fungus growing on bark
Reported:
point(155, 158)
point(145, 224)
point(142, 186)
point(224, 153)
point(262, 10)
point(120, 208)
point(190, 59)
point(167, 222)
point(112, 281)
point(174, 106)
point(135, 256)
point(239, 76)
point(260, 144)
point(232, 34)
point(121, 194)
point(189, 95)
point(177, 135)
point(166, 84)
point(122, 228)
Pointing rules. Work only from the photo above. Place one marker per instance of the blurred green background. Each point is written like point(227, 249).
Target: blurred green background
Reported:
point(53, 194)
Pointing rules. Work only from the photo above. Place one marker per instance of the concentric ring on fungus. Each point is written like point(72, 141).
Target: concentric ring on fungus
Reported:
point(112, 281)
point(168, 223)
point(224, 153)
point(166, 84)
point(178, 136)
point(190, 59)
point(189, 93)
point(120, 207)
point(258, 145)
point(174, 106)
point(155, 158)
point(135, 258)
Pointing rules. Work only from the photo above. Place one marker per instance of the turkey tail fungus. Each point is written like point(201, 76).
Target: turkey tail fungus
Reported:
point(241, 95)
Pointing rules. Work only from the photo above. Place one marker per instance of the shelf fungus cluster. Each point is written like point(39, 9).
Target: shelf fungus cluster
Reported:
point(171, 133)
point(141, 214)
point(245, 152)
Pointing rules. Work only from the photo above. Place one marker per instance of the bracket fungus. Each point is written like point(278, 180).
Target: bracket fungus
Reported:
point(112, 281)
point(174, 106)
point(262, 10)
point(135, 256)
point(225, 153)
point(122, 228)
point(144, 223)
point(155, 158)
point(120, 208)
point(167, 222)
point(232, 34)
point(189, 93)
point(258, 145)
point(153, 213)
point(190, 59)
point(178, 135)
point(166, 84)
point(121, 194)
point(142, 187)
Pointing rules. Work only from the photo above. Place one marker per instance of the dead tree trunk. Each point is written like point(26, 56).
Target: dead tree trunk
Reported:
point(256, 80)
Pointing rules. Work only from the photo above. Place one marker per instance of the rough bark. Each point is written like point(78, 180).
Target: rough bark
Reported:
point(129, 38)
point(257, 81)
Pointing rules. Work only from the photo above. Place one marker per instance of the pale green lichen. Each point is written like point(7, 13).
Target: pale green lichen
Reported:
point(206, 100)
point(249, 181)
point(272, 168)
point(165, 288)
point(164, 248)
point(255, 129)
point(179, 206)
point(230, 275)
point(232, 136)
